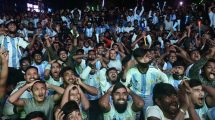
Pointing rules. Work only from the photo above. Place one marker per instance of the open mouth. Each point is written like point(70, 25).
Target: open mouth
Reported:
point(201, 99)
point(31, 79)
point(121, 101)
point(211, 75)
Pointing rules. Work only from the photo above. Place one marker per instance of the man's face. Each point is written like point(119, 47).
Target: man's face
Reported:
point(91, 55)
point(69, 77)
point(197, 96)
point(37, 58)
point(209, 70)
point(75, 95)
point(55, 69)
point(195, 56)
point(75, 115)
point(31, 75)
point(25, 64)
point(169, 104)
point(12, 27)
point(179, 72)
point(100, 50)
point(79, 59)
point(112, 76)
point(120, 97)
point(63, 55)
point(112, 54)
point(146, 58)
point(172, 57)
point(39, 91)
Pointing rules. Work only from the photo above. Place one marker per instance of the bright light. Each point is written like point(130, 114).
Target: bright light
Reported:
point(36, 6)
point(181, 3)
point(31, 7)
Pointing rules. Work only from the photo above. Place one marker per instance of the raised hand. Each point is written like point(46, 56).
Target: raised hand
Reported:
point(59, 115)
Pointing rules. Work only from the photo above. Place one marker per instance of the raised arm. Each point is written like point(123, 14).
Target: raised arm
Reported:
point(89, 89)
point(4, 62)
point(138, 103)
point(210, 98)
point(65, 97)
point(104, 101)
point(84, 101)
point(15, 97)
point(59, 91)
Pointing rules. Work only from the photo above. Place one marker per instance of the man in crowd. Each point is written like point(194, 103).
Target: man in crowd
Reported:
point(121, 108)
point(142, 78)
point(39, 102)
point(168, 105)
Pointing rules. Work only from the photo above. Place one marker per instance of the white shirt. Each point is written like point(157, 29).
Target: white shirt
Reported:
point(155, 111)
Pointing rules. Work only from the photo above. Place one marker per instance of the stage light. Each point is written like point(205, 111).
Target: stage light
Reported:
point(180, 3)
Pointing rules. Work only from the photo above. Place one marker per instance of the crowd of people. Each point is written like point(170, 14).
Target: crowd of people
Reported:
point(109, 64)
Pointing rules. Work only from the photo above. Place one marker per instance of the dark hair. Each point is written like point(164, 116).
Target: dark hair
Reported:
point(99, 44)
point(117, 86)
point(40, 81)
point(163, 89)
point(35, 114)
point(109, 69)
point(179, 62)
point(69, 107)
point(23, 59)
point(31, 67)
point(66, 69)
point(194, 82)
point(139, 52)
point(37, 52)
point(91, 51)
point(79, 51)
point(61, 49)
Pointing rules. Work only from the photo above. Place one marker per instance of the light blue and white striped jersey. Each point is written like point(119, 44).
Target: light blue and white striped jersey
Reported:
point(143, 84)
point(91, 80)
point(41, 68)
point(12, 45)
point(89, 32)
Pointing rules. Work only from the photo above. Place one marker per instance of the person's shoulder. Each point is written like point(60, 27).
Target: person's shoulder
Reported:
point(154, 111)
point(20, 84)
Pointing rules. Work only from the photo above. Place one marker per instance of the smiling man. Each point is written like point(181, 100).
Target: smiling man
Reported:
point(170, 105)
point(121, 108)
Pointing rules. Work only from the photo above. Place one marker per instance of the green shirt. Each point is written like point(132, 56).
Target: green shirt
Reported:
point(47, 107)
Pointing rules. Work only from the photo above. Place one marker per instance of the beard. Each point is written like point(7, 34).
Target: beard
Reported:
point(177, 76)
point(114, 82)
point(12, 32)
point(120, 108)
point(144, 65)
